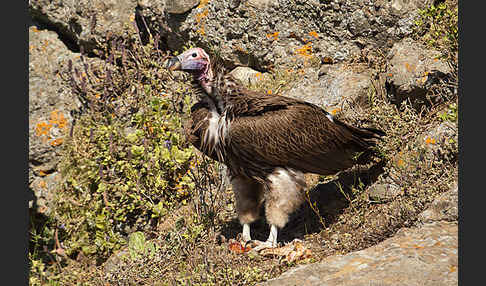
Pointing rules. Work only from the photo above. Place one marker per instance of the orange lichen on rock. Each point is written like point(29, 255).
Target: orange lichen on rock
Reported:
point(58, 119)
point(57, 142)
point(305, 50)
point(42, 184)
point(202, 3)
point(201, 30)
point(314, 34)
point(409, 67)
point(429, 140)
point(199, 17)
point(273, 36)
point(43, 128)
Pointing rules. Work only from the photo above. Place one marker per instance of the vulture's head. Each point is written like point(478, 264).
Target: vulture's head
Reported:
point(194, 61)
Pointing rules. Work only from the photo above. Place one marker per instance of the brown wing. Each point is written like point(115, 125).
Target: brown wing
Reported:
point(279, 131)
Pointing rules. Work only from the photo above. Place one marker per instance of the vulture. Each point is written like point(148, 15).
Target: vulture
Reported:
point(267, 141)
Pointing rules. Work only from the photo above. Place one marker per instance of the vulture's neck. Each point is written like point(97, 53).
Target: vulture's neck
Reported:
point(207, 88)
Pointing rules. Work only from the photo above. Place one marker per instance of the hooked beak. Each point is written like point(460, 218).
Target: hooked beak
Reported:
point(173, 64)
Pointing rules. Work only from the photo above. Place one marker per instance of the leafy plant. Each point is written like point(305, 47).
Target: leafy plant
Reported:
point(437, 26)
point(137, 245)
point(450, 114)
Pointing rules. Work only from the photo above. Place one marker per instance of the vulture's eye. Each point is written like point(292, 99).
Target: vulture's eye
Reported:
point(194, 55)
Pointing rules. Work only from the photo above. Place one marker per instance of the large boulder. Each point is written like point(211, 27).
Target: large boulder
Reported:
point(412, 69)
point(263, 34)
point(334, 87)
point(50, 99)
point(425, 256)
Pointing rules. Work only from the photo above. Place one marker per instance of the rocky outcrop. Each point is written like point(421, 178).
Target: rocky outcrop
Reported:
point(260, 34)
point(85, 23)
point(50, 105)
point(50, 102)
point(414, 256)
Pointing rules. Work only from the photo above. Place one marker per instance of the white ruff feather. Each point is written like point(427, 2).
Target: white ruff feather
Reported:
point(216, 133)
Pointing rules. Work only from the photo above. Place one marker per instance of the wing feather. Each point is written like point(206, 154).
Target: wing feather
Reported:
point(273, 131)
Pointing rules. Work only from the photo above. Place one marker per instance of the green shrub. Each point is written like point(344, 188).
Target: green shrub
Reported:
point(126, 164)
point(437, 26)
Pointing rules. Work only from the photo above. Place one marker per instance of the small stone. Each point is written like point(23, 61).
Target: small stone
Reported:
point(443, 208)
point(247, 76)
point(383, 192)
point(180, 6)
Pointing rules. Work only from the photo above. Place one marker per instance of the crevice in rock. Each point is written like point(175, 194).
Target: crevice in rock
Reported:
point(35, 162)
point(42, 23)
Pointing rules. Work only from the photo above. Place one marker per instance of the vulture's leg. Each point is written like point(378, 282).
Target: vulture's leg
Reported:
point(249, 198)
point(284, 196)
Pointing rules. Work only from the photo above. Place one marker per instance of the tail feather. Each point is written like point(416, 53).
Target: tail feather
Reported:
point(362, 132)
point(366, 138)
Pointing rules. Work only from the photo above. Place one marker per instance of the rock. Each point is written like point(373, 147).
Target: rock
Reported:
point(50, 105)
point(116, 259)
point(383, 192)
point(440, 141)
point(424, 256)
point(262, 4)
point(44, 189)
point(443, 208)
point(333, 89)
point(412, 68)
point(247, 76)
point(86, 23)
point(180, 6)
point(50, 99)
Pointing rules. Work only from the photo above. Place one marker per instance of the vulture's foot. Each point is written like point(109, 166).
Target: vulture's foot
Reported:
point(257, 245)
point(271, 242)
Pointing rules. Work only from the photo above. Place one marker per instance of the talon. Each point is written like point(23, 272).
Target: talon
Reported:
point(252, 243)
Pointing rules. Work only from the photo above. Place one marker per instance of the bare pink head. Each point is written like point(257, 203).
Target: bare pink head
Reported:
point(195, 61)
